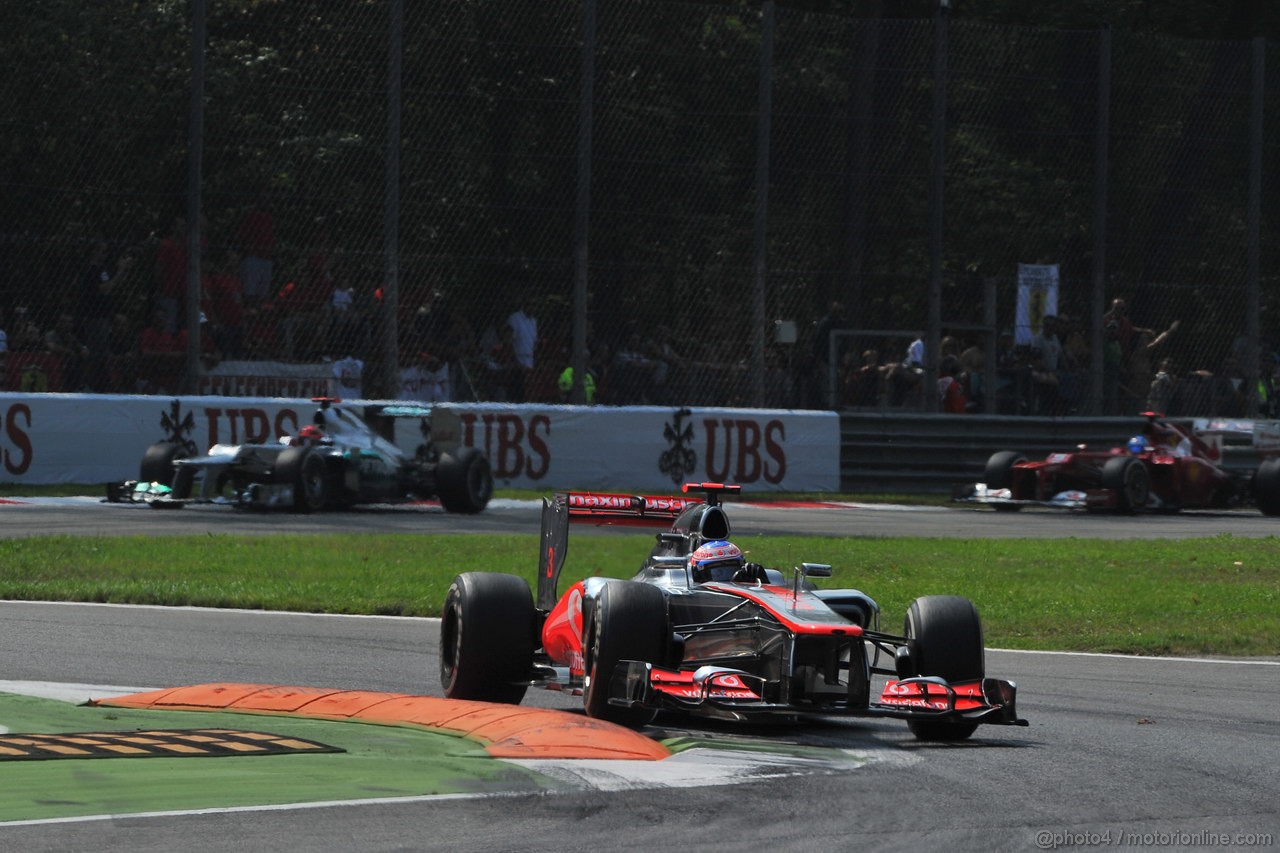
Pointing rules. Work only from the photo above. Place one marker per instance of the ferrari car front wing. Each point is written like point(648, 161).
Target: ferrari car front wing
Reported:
point(1099, 498)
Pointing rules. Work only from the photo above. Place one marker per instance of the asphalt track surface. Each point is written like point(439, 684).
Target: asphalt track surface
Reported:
point(88, 516)
point(1135, 753)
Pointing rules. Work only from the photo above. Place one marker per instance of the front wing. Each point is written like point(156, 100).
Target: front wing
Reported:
point(1094, 499)
point(725, 692)
point(160, 496)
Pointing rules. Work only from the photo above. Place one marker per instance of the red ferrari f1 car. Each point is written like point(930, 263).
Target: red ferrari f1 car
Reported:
point(699, 630)
point(1168, 467)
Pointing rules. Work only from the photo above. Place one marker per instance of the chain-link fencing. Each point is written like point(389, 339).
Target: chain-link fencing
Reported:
point(691, 204)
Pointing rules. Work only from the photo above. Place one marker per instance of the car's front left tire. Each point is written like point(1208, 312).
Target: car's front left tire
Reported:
point(944, 636)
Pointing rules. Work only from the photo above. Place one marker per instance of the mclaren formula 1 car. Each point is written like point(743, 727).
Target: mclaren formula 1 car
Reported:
point(698, 630)
point(338, 460)
point(1168, 467)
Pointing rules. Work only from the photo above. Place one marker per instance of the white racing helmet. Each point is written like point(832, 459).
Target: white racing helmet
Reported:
point(718, 560)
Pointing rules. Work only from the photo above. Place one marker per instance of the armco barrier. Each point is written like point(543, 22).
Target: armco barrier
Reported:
point(912, 453)
point(63, 438)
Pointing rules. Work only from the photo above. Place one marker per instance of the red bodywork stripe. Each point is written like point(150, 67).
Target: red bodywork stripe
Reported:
point(790, 610)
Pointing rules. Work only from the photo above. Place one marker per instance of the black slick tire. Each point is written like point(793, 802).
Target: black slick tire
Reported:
point(304, 469)
point(157, 462)
point(1128, 478)
point(1266, 487)
point(629, 623)
point(464, 481)
point(486, 638)
point(944, 635)
point(999, 474)
point(999, 471)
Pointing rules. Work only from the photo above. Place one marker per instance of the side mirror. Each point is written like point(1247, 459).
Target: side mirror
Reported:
point(808, 570)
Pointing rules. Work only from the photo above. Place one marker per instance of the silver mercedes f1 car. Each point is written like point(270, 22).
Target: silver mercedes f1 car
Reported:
point(338, 460)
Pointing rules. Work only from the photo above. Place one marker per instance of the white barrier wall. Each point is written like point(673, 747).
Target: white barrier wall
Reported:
point(71, 438)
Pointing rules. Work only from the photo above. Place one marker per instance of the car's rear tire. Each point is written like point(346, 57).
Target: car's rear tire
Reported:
point(1128, 478)
point(944, 636)
point(1266, 486)
point(464, 481)
point(629, 623)
point(157, 462)
point(304, 469)
point(486, 638)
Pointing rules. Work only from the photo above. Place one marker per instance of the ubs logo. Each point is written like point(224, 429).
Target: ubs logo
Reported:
point(177, 428)
point(735, 450)
point(679, 459)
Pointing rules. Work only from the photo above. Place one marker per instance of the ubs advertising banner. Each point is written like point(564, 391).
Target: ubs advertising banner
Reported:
point(69, 438)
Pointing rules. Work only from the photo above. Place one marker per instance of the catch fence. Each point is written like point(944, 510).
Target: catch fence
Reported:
point(677, 193)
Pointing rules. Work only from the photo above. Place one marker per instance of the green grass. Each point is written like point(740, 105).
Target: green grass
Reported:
point(1218, 595)
point(379, 761)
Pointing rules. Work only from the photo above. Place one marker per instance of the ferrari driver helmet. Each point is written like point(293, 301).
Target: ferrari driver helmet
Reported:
point(718, 560)
point(1137, 444)
point(311, 434)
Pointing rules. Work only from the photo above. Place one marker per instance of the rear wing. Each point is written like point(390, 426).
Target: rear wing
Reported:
point(442, 425)
point(634, 510)
point(606, 508)
point(1262, 435)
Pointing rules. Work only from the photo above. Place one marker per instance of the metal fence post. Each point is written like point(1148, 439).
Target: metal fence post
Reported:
point(195, 157)
point(938, 168)
point(1101, 182)
point(582, 206)
point(764, 127)
point(1253, 306)
point(391, 227)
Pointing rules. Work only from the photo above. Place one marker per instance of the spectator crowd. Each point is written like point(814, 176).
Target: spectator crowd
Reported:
point(1050, 374)
point(123, 328)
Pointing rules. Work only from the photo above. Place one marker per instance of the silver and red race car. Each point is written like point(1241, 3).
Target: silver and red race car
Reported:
point(701, 631)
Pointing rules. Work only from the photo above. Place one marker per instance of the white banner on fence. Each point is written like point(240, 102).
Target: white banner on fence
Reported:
point(269, 379)
point(1037, 297)
point(71, 438)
